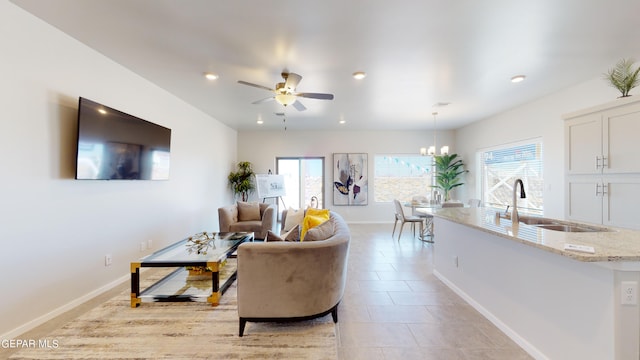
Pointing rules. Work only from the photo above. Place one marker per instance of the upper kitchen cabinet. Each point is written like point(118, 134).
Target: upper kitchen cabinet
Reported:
point(602, 147)
point(604, 139)
point(583, 138)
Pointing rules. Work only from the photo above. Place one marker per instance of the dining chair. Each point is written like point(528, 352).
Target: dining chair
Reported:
point(417, 199)
point(405, 219)
point(428, 218)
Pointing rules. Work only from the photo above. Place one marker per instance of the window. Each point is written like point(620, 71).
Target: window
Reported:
point(501, 166)
point(401, 177)
point(304, 179)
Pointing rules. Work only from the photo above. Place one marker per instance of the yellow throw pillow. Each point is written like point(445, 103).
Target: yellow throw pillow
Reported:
point(313, 218)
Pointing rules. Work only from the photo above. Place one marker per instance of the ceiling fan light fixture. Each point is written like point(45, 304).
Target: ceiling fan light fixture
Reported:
point(359, 75)
point(285, 99)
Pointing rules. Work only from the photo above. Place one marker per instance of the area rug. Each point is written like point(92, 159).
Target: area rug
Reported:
point(193, 330)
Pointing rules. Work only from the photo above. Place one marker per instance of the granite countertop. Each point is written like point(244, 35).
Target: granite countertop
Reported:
point(616, 245)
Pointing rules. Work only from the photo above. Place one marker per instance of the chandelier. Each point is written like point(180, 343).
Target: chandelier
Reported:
point(431, 151)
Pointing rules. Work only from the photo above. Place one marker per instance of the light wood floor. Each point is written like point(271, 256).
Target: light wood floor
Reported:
point(393, 308)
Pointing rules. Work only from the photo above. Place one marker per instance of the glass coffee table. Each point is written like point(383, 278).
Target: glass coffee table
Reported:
point(213, 251)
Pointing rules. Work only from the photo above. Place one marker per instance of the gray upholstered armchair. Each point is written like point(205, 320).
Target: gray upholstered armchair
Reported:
point(250, 217)
point(291, 281)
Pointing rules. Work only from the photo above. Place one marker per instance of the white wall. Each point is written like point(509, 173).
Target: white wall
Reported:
point(538, 119)
point(55, 231)
point(262, 148)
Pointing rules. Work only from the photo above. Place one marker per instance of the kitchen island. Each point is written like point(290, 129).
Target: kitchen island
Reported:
point(555, 303)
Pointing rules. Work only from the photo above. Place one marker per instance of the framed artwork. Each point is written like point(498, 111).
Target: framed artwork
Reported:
point(350, 184)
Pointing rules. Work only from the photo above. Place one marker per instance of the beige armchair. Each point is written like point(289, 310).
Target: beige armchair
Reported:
point(292, 281)
point(250, 217)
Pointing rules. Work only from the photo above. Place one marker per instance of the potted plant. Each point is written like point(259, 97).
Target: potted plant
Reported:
point(623, 77)
point(241, 181)
point(448, 171)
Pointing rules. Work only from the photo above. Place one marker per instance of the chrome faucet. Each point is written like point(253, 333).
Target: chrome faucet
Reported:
point(514, 213)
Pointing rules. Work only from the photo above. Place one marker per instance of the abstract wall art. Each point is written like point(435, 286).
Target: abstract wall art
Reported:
point(350, 185)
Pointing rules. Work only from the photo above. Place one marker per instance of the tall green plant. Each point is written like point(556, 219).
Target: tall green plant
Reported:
point(241, 181)
point(448, 171)
point(623, 77)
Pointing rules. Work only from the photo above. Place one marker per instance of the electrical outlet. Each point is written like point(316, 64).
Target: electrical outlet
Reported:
point(143, 246)
point(629, 293)
point(108, 260)
point(149, 244)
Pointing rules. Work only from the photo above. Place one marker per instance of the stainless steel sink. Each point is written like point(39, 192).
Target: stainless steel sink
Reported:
point(532, 220)
point(571, 228)
point(558, 225)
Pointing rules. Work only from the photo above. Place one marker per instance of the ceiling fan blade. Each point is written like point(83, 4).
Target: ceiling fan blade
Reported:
point(293, 80)
point(255, 85)
point(316, 96)
point(298, 105)
point(262, 101)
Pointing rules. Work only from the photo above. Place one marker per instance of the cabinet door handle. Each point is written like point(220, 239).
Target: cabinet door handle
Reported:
point(605, 189)
point(597, 162)
point(597, 189)
point(605, 162)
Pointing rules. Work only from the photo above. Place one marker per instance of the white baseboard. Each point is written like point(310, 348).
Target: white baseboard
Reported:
point(522, 342)
point(15, 333)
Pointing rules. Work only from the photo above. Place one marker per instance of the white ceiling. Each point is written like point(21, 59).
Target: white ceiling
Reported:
point(416, 53)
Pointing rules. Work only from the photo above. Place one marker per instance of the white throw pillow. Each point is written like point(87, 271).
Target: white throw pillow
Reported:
point(294, 217)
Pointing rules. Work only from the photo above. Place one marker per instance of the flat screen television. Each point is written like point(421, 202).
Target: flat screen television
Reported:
point(113, 145)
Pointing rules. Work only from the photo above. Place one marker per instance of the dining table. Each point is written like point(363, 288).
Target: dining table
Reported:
point(425, 210)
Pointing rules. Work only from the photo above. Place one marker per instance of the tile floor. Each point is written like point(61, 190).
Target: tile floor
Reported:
point(395, 308)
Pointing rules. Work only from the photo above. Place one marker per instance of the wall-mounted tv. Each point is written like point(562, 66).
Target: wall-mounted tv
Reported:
point(113, 145)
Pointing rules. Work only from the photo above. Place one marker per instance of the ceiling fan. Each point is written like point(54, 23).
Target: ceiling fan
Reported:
point(285, 92)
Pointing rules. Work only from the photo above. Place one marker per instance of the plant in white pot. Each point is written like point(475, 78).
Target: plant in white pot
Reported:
point(623, 76)
point(448, 172)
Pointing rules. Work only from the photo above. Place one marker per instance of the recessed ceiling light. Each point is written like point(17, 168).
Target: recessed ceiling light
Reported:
point(359, 75)
point(211, 76)
point(517, 78)
point(341, 122)
point(260, 122)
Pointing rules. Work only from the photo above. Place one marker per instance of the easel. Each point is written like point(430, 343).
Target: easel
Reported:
point(278, 200)
point(271, 186)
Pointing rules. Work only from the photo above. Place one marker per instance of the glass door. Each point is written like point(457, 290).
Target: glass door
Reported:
point(303, 181)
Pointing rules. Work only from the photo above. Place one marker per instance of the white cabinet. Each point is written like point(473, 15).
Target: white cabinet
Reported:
point(611, 201)
point(604, 140)
point(602, 157)
point(583, 136)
